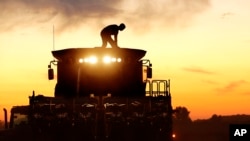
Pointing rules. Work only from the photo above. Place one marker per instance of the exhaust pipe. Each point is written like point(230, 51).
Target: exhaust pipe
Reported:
point(5, 118)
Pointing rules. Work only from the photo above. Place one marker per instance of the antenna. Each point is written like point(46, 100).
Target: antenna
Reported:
point(53, 38)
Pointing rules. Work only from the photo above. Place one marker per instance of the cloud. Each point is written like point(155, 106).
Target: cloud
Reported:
point(167, 13)
point(246, 93)
point(197, 70)
point(210, 82)
point(231, 86)
point(67, 13)
point(73, 13)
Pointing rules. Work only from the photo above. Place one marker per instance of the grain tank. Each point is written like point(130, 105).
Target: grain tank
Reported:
point(99, 71)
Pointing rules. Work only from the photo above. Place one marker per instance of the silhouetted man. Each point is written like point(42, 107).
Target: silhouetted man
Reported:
point(108, 31)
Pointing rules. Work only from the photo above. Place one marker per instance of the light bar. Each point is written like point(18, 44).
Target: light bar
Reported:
point(94, 60)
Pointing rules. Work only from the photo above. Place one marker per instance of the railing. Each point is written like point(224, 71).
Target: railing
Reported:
point(156, 88)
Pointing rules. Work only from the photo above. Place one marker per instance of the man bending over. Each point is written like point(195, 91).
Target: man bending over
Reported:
point(107, 33)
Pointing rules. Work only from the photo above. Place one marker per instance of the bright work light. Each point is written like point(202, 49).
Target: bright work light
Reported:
point(107, 59)
point(81, 60)
point(119, 59)
point(92, 60)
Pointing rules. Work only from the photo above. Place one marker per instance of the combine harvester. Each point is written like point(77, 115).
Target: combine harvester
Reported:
point(102, 94)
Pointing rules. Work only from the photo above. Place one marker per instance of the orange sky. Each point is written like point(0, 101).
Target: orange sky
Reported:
point(202, 46)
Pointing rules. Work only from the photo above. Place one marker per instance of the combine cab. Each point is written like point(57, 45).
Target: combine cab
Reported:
point(102, 94)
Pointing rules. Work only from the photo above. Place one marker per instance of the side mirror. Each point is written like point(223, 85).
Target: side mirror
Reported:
point(149, 72)
point(50, 74)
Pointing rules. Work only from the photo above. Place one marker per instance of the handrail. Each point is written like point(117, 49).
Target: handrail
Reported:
point(158, 88)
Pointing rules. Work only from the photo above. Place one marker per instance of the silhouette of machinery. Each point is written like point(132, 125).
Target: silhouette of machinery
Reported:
point(102, 94)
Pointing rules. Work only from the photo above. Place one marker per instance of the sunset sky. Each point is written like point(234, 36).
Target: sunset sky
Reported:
point(202, 46)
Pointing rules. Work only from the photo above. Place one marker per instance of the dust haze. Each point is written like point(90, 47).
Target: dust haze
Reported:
point(68, 14)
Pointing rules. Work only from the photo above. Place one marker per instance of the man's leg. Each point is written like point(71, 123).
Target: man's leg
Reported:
point(104, 42)
point(112, 43)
